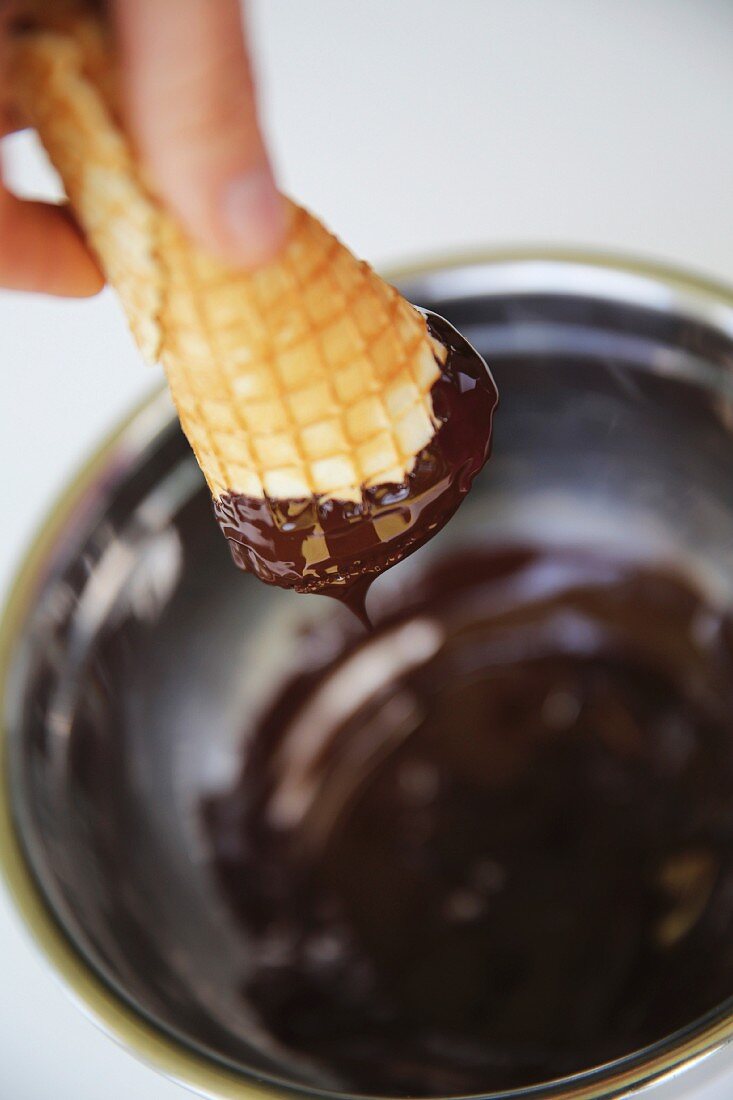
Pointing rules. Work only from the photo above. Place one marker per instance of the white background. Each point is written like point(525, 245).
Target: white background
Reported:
point(412, 127)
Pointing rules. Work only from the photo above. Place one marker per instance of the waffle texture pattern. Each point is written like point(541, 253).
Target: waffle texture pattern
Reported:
point(309, 377)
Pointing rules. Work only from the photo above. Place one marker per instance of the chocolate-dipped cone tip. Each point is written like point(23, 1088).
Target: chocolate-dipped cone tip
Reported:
point(318, 544)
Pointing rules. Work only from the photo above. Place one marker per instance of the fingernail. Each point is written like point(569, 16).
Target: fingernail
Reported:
point(254, 217)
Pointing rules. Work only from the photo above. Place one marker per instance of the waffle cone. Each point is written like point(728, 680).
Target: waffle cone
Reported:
point(308, 377)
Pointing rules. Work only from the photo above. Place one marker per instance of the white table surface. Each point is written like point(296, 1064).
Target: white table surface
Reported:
point(413, 127)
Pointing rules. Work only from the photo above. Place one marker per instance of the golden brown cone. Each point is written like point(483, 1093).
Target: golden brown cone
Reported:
point(310, 376)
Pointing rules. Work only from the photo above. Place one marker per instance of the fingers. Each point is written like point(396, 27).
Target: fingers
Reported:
point(42, 250)
point(192, 112)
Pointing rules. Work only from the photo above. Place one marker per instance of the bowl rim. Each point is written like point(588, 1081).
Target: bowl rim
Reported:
point(665, 285)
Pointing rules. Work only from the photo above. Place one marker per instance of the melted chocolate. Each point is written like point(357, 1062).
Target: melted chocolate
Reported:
point(492, 843)
point(337, 547)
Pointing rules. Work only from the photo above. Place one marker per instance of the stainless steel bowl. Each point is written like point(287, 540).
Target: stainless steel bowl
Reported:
point(132, 649)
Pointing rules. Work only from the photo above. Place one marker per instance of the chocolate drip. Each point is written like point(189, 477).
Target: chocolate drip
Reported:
point(507, 858)
point(337, 547)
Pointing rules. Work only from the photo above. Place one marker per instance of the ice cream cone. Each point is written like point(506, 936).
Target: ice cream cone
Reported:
point(310, 377)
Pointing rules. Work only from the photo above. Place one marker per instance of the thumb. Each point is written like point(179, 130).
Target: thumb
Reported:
point(190, 98)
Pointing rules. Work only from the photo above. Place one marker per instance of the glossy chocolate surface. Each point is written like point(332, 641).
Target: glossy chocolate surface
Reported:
point(492, 843)
point(337, 547)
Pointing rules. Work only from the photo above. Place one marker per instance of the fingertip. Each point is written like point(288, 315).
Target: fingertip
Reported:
point(42, 251)
point(252, 219)
point(84, 280)
point(78, 270)
point(191, 105)
point(69, 271)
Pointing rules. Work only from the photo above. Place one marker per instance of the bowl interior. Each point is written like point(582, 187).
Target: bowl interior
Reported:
point(147, 654)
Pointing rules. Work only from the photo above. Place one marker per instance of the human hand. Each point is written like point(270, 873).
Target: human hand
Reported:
point(188, 96)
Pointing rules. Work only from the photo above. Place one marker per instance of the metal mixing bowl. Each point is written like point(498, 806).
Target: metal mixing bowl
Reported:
point(132, 650)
